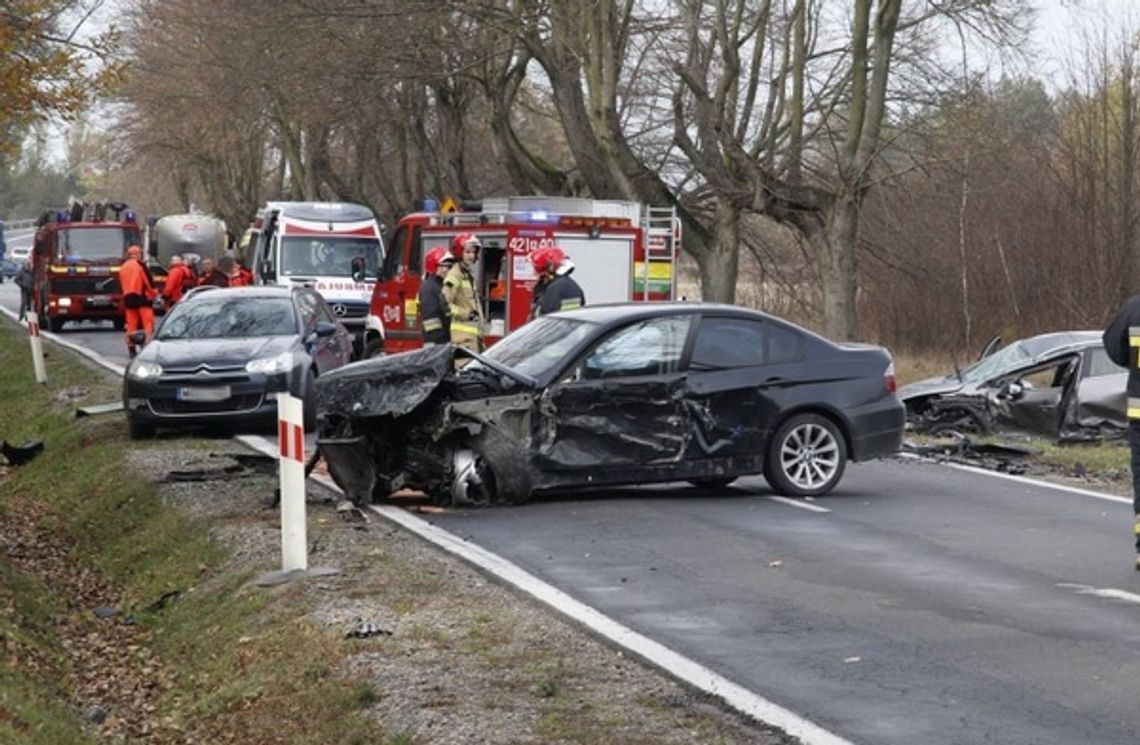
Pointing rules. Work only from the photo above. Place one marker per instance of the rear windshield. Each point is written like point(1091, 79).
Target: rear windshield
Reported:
point(208, 317)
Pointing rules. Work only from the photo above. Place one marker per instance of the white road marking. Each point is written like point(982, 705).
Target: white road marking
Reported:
point(799, 503)
point(656, 654)
point(1102, 592)
point(1022, 479)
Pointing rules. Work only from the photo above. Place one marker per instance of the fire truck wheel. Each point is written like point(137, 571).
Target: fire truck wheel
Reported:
point(56, 324)
point(374, 348)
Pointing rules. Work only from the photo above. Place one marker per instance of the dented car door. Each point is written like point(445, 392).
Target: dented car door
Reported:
point(622, 403)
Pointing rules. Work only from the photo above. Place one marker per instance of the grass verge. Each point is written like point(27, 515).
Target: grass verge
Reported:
point(224, 663)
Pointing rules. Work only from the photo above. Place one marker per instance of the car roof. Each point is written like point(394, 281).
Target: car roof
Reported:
point(244, 291)
point(1057, 340)
point(615, 312)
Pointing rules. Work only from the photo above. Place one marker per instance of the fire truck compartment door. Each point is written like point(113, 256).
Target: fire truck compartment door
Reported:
point(603, 267)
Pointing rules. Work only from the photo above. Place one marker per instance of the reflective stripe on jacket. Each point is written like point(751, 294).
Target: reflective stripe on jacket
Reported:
point(466, 310)
point(434, 311)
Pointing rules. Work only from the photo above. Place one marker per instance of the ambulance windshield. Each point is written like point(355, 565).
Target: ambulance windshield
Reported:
point(329, 256)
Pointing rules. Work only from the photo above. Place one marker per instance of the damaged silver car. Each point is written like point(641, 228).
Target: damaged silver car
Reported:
point(1060, 385)
point(611, 395)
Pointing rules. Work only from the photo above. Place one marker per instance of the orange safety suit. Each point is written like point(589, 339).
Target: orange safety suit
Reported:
point(138, 296)
point(241, 277)
point(179, 278)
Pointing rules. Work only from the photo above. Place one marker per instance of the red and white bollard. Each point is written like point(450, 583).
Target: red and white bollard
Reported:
point(291, 438)
point(37, 347)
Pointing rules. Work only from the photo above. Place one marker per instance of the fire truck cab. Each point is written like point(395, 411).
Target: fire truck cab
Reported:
point(622, 252)
point(76, 258)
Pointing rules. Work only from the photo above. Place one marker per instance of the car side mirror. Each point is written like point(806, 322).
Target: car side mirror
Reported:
point(138, 338)
point(1014, 390)
point(324, 329)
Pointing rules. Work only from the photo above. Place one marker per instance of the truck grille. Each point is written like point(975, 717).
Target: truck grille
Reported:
point(85, 286)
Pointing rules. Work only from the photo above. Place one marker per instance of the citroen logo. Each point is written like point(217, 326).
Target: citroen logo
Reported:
point(340, 309)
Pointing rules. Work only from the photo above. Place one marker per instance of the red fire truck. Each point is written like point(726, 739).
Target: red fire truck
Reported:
point(622, 251)
point(76, 259)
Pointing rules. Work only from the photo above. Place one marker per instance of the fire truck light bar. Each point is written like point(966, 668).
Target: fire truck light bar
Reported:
point(590, 222)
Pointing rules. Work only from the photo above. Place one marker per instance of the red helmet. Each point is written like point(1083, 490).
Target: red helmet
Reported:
point(547, 259)
point(437, 256)
point(461, 241)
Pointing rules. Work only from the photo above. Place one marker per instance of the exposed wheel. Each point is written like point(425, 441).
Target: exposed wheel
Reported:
point(140, 431)
point(712, 483)
point(374, 348)
point(56, 324)
point(806, 457)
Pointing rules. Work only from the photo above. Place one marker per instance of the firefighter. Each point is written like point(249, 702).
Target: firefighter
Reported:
point(240, 276)
point(138, 295)
point(212, 276)
point(461, 296)
point(1122, 342)
point(179, 278)
point(555, 290)
point(435, 313)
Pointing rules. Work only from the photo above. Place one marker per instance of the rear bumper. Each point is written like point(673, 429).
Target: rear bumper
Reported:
point(877, 429)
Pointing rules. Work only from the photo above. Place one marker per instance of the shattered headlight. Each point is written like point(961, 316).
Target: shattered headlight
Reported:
point(140, 370)
point(282, 363)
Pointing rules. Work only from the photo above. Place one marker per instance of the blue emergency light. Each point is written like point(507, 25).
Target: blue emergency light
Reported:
point(539, 216)
point(129, 216)
point(430, 205)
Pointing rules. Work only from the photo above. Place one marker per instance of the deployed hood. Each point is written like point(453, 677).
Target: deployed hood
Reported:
point(929, 387)
point(384, 386)
point(176, 353)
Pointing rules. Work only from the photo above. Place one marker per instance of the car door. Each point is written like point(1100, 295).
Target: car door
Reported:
point(622, 403)
point(324, 350)
point(738, 370)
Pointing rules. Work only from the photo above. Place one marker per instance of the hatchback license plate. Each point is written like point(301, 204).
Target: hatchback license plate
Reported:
point(203, 393)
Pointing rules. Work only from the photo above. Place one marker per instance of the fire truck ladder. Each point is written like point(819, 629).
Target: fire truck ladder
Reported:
point(662, 241)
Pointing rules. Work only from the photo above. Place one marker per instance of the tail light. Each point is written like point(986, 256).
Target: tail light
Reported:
point(889, 378)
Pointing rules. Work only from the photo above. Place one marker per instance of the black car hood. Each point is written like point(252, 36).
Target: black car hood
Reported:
point(930, 387)
point(181, 353)
point(392, 385)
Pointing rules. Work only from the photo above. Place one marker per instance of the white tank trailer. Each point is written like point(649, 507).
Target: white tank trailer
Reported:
point(192, 235)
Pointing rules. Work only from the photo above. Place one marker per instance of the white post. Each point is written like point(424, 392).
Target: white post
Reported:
point(291, 438)
point(37, 347)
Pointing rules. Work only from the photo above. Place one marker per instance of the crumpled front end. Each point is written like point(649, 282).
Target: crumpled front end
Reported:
point(410, 421)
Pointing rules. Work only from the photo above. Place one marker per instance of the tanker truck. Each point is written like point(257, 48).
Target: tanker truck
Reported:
point(195, 236)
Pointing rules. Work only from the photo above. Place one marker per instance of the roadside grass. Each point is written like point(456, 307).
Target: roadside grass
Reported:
point(1108, 459)
point(241, 666)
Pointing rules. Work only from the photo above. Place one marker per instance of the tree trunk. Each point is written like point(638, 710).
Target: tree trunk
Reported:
point(834, 246)
point(719, 258)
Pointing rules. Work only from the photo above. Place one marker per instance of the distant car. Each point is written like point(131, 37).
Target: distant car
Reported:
point(8, 268)
point(19, 254)
point(223, 356)
point(608, 395)
point(1061, 385)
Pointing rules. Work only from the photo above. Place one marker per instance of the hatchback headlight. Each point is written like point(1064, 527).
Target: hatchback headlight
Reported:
point(282, 363)
point(144, 370)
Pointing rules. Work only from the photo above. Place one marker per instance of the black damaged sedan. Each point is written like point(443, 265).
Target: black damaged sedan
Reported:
point(611, 395)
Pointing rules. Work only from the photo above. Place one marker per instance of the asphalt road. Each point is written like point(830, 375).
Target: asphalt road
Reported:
point(917, 604)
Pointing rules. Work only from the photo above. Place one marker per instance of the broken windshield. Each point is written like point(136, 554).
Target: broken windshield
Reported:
point(996, 363)
point(538, 347)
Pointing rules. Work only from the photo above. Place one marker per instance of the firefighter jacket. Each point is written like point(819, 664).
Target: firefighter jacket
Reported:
point(435, 314)
point(560, 293)
point(241, 277)
point(1122, 342)
point(466, 310)
point(136, 283)
point(180, 279)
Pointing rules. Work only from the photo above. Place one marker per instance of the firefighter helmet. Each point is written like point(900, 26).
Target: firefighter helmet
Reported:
point(134, 252)
point(548, 259)
point(437, 256)
point(462, 241)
